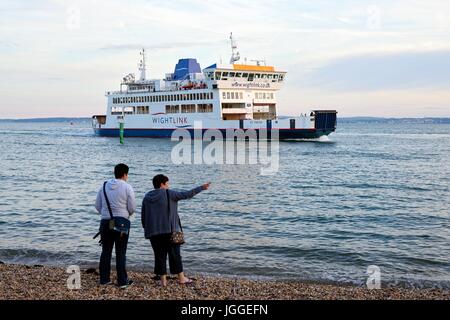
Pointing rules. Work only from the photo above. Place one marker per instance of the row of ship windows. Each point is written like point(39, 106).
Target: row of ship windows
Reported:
point(185, 108)
point(189, 108)
point(232, 95)
point(130, 110)
point(165, 98)
point(239, 95)
point(263, 95)
point(248, 76)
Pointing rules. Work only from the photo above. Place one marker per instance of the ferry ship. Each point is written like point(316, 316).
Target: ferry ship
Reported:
point(222, 96)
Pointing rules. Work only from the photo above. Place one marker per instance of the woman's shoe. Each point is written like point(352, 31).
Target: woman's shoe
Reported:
point(186, 281)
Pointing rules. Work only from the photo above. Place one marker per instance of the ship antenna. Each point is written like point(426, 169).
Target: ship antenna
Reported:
point(142, 65)
point(234, 53)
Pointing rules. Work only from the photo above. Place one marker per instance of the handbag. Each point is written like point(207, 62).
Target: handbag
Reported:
point(119, 224)
point(177, 237)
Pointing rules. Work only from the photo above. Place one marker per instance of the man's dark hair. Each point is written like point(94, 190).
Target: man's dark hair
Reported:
point(158, 179)
point(120, 170)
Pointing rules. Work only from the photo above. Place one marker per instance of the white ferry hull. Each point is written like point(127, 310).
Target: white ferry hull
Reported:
point(283, 134)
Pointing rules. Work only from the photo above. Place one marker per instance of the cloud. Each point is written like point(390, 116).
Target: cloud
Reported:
point(162, 46)
point(388, 71)
point(303, 37)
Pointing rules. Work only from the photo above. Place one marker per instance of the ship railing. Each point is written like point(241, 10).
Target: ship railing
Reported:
point(168, 89)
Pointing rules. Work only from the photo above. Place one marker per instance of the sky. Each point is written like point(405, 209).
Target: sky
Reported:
point(363, 58)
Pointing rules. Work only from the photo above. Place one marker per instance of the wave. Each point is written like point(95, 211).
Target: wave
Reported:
point(412, 135)
point(35, 256)
point(49, 133)
point(322, 139)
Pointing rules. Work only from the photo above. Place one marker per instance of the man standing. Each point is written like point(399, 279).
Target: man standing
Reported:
point(122, 203)
point(160, 219)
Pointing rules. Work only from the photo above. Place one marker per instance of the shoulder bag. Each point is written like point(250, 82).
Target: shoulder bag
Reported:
point(177, 237)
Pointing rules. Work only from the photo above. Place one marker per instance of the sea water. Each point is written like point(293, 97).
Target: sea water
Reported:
point(369, 194)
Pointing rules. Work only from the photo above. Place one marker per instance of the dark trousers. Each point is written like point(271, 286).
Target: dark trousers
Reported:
point(109, 239)
point(161, 248)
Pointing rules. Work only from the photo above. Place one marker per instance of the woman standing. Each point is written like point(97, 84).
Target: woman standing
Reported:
point(160, 221)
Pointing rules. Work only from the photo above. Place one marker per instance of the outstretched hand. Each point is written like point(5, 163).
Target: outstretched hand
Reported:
point(206, 186)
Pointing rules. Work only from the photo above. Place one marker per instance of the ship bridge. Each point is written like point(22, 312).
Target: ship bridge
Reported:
point(245, 91)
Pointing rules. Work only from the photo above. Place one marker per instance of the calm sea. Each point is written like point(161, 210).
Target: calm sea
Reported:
point(373, 194)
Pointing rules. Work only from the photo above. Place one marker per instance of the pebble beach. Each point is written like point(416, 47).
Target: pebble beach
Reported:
point(22, 282)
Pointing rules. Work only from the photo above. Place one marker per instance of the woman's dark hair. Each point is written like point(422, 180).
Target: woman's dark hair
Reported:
point(120, 170)
point(158, 179)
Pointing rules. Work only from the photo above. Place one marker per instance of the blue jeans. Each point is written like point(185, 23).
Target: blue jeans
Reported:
point(109, 239)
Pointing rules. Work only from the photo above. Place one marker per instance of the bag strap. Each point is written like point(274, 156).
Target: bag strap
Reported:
point(168, 208)
point(107, 200)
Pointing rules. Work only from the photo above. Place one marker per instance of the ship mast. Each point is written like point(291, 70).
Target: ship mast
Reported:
point(234, 53)
point(142, 65)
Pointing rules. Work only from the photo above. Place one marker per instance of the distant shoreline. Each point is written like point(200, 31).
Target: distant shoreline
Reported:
point(360, 119)
point(50, 283)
